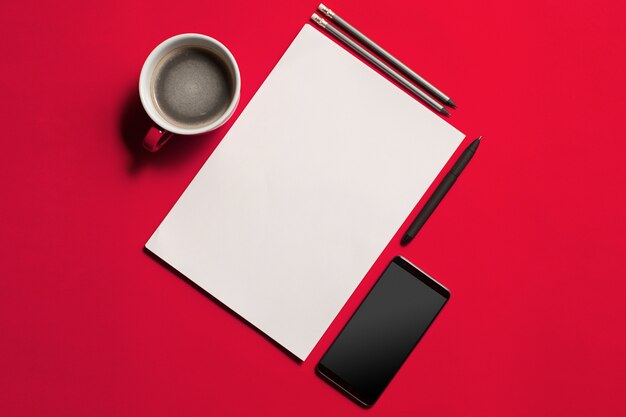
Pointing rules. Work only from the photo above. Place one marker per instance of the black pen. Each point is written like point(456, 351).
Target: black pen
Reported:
point(440, 192)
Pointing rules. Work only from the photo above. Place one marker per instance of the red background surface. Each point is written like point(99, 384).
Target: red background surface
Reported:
point(531, 240)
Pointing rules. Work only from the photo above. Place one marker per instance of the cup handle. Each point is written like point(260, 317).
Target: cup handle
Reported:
point(155, 138)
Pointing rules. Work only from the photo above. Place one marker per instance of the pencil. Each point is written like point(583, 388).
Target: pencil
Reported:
point(378, 63)
point(352, 31)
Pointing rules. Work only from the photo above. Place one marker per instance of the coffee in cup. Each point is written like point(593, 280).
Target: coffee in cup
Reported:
point(189, 84)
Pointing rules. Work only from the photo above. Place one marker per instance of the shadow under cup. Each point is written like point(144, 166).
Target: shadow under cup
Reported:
point(189, 84)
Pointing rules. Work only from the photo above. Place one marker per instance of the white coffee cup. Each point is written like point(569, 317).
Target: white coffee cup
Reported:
point(163, 128)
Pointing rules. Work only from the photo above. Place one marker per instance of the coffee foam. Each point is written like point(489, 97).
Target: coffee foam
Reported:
point(192, 87)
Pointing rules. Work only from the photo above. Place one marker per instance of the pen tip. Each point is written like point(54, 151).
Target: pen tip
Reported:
point(451, 103)
point(444, 111)
point(474, 145)
point(405, 240)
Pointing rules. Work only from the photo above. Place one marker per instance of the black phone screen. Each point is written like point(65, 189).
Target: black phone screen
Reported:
point(383, 331)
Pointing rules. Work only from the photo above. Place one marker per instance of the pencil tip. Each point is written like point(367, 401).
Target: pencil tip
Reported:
point(451, 103)
point(445, 112)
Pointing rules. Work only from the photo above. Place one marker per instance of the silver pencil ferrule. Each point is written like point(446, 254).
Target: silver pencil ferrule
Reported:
point(326, 10)
point(319, 20)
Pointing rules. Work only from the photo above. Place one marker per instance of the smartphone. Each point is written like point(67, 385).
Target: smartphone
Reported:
point(382, 332)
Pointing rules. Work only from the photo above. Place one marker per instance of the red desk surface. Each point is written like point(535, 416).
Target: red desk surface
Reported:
point(531, 240)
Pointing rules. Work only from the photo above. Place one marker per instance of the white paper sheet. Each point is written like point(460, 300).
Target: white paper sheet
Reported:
point(305, 191)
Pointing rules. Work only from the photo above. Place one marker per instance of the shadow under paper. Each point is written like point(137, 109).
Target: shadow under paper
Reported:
point(224, 306)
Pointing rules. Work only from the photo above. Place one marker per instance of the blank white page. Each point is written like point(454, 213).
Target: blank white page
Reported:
point(305, 191)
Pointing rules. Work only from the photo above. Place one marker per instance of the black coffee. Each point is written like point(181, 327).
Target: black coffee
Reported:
point(191, 87)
